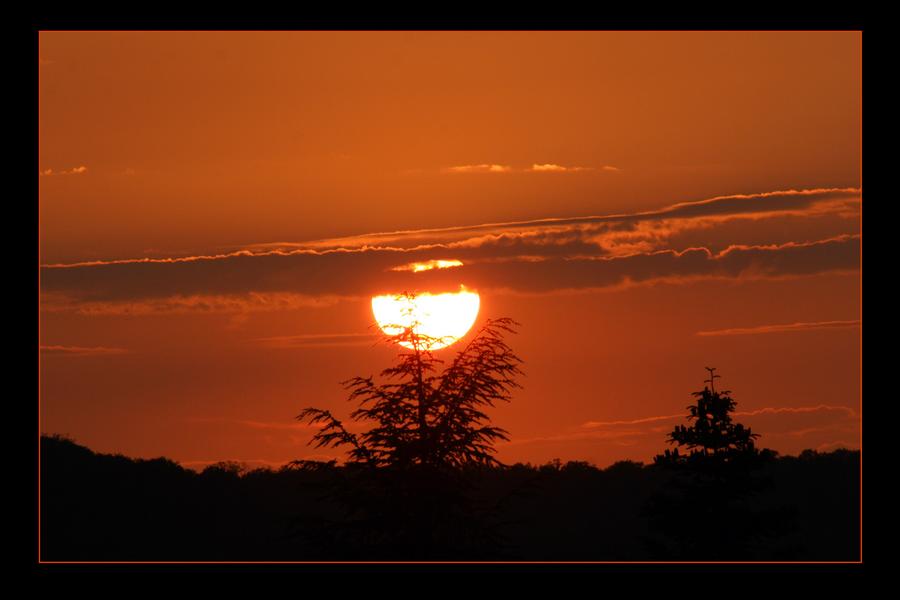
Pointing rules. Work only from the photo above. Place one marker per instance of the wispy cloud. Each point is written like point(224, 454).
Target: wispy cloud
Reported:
point(318, 340)
point(418, 267)
point(483, 168)
point(534, 168)
point(248, 302)
point(598, 230)
point(541, 256)
point(829, 446)
point(80, 350)
point(80, 170)
point(554, 168)
point(751, 413)
point(776, 422)
point(816, 325)
point(278, 282)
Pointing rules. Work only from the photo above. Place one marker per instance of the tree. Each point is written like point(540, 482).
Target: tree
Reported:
point(704, 510)
point(712, 438)
point(404, 483)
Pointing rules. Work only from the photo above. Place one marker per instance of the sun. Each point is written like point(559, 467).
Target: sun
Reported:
point(440, 319)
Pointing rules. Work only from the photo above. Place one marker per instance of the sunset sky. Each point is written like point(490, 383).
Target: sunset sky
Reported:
point(217, 210)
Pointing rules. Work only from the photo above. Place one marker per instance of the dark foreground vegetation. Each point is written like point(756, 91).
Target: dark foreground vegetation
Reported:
point(104, 507)
point(422, 483)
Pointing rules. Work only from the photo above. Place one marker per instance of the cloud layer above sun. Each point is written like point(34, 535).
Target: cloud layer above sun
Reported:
point(727, 237)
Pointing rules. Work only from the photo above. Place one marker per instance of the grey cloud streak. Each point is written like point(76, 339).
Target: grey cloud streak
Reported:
point(533, 257)
point(782, 328)
point(368, 273)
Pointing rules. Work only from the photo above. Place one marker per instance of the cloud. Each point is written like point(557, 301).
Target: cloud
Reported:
point(275, 425)
point(653, 225)
point(546, 255)
point(752, 413)
point(829, 446)
point(839, 254)
point(553, 168)
point(484, 168)
point(277, 281)
point(80, 351)
point(778, 423)
point(243, 303)
point(427, 265)
point(74, 171)
point(534, 168)
point(318, 340)
point(252, 424)
point(782, 328)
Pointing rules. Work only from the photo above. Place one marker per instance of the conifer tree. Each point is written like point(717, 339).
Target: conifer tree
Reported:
point(712, 436)
point(705, 510)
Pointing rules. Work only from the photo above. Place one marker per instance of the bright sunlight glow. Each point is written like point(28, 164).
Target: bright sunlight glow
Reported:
point(441, 319)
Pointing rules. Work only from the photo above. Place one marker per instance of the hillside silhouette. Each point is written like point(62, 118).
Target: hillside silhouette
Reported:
point(110, 507)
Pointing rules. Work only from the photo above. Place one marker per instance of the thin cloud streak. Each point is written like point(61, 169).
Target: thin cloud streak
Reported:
point(280, 282)
point(752, 413)
point(788, 202)
point(80, 170)
point(554, 168)
point(616, 431)
point(250, 302)
point(483, 168)
point(318, 340)
point(534, 168)
point(540, 256)
point(81, 351)
point(812, 326)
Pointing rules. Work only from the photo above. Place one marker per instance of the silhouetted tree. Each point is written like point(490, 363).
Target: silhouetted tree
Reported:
point(705, 512)
point(712, 437)
point(405, 489)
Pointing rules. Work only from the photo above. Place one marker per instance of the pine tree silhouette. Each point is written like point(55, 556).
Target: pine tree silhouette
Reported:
point(712, 436)
point(705, 511)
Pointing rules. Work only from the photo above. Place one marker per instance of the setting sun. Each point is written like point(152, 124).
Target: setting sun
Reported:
point(442, 319)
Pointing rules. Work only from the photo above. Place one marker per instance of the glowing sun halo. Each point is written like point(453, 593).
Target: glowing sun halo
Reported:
point(441, 319)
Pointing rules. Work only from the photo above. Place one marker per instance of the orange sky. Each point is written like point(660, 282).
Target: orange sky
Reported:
point(703, 209)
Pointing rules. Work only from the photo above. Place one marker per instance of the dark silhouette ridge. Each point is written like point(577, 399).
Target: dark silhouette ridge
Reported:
point(103, 507)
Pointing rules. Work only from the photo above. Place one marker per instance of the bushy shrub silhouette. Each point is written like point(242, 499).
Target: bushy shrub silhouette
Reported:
point(404, 483)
